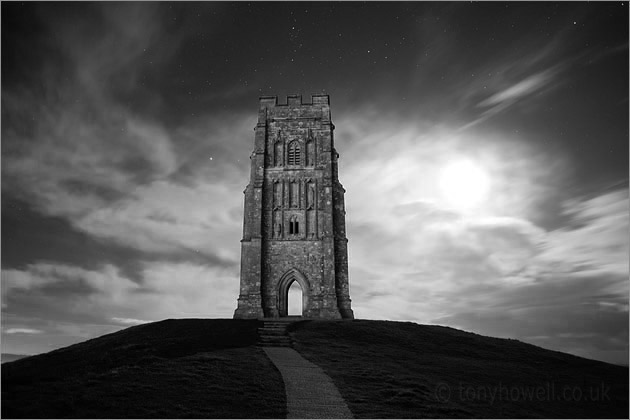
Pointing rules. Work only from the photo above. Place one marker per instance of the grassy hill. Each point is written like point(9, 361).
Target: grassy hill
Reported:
point(402, 370)
point(188, 368)
point(194, 368)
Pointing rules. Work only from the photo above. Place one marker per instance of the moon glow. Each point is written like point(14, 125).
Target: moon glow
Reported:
point(464, 184)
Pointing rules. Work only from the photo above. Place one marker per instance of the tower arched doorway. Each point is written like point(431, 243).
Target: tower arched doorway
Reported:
point(294, 300)
point(286, 281)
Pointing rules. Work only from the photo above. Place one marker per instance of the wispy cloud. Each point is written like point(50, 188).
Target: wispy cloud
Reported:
point(75, 304)
point(75, 144)
point(116, 172)
point(495, 270)
point(521, 79)
point(523, 88)
point(159, 217)
point(596, 241)
point(22, 331)
point(514, 93)
point(167, 290)
point(403, 160)
point(503, 276)
point(129, 321)
point(81, 148)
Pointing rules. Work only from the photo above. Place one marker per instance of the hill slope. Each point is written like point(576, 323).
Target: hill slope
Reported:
point(195, 368)
point(187, 368)
point(402, 369)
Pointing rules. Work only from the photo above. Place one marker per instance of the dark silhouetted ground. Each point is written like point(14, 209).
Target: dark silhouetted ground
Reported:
point(189, 368)
point(402, 370)
point(194, 368)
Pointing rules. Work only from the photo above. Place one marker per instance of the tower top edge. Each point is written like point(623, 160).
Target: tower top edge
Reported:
point(294, 100)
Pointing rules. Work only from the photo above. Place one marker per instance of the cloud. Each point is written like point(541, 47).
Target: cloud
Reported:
point(80, 151)
point(73, 304)
point(130, 321)
point(94, 146)
point(22, 331)
point(164, 217)
point(494, 270)
point(76, 288)
point(503, 276)
point(400, 162)
point(521, 89)
point(587, 316)
point(188, 290)
point(564, 325)
point(70, 168)
point(596, 240)
point(431, 267)
point(520, 78)
point(514, 93)
point(72, 144)
point(394, 199)
point(140, 190)
point(167, 290)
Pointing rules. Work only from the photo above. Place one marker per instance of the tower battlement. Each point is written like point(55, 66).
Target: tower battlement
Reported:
point(294, 109)
point(294, 100)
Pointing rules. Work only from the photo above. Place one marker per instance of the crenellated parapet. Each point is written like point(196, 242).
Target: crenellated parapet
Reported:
point(270, 110)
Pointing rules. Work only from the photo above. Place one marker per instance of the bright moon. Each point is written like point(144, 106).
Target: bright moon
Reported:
point(464, 184)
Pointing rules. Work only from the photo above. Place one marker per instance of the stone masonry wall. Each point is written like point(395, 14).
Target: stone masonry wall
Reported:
point(294, 219)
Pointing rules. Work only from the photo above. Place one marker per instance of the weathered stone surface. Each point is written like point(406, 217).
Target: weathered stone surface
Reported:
point(294, 219)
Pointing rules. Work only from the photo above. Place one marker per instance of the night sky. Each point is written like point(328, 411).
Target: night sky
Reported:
point(483, 147)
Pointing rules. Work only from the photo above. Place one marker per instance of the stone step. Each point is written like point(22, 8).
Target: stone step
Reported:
point(274, 338)
point(270, 334)
point(284, 319)
point(270, 344)
point(276, 333)
point(274, 345)
point(273, 333)
point(263, 345)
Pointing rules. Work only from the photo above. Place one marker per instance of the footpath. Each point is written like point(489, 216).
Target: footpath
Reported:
point(311, 394)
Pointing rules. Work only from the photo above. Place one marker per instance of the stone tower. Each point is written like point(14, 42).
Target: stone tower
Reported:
point(294, 223)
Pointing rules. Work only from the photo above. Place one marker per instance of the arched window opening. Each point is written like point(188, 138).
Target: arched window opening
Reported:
point(294, 300)
point(293, 156)
point(294, 226)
